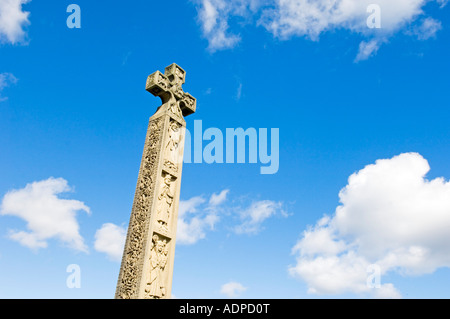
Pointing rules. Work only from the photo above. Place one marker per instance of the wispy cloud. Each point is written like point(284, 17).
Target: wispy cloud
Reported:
point(6, 79)
point(367, 49)
point(253, 217)
point(239, 91)
point(125, 58)
point(217, 199)
point(427, 28)
point(213, 16)
point(197, 215)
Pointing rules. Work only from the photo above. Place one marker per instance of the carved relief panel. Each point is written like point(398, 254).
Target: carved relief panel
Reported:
point(157, 273)
point(173, 146)
point(165, 201)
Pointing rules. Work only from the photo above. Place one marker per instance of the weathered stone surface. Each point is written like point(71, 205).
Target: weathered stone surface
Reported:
point(147, 263)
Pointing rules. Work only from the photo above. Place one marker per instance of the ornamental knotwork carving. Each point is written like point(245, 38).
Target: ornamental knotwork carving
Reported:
point(134, 248)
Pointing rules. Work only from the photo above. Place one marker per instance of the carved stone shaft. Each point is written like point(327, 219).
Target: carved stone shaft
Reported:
point(147, 263)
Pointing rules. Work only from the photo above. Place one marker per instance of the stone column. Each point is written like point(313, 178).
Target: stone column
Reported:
point(147, 263)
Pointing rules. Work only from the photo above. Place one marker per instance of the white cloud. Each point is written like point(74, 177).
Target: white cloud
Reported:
point(47, 216)
point(253, 217)
point(391, 216)
point(195, 218)
point(110, 239)
point(232, 289)
point(12, 21)
point(310, 19)
point(6, 79)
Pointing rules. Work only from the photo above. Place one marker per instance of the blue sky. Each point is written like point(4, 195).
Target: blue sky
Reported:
point(362, 115)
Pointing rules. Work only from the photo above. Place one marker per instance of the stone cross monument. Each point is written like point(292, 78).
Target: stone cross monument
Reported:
point(147, 262)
